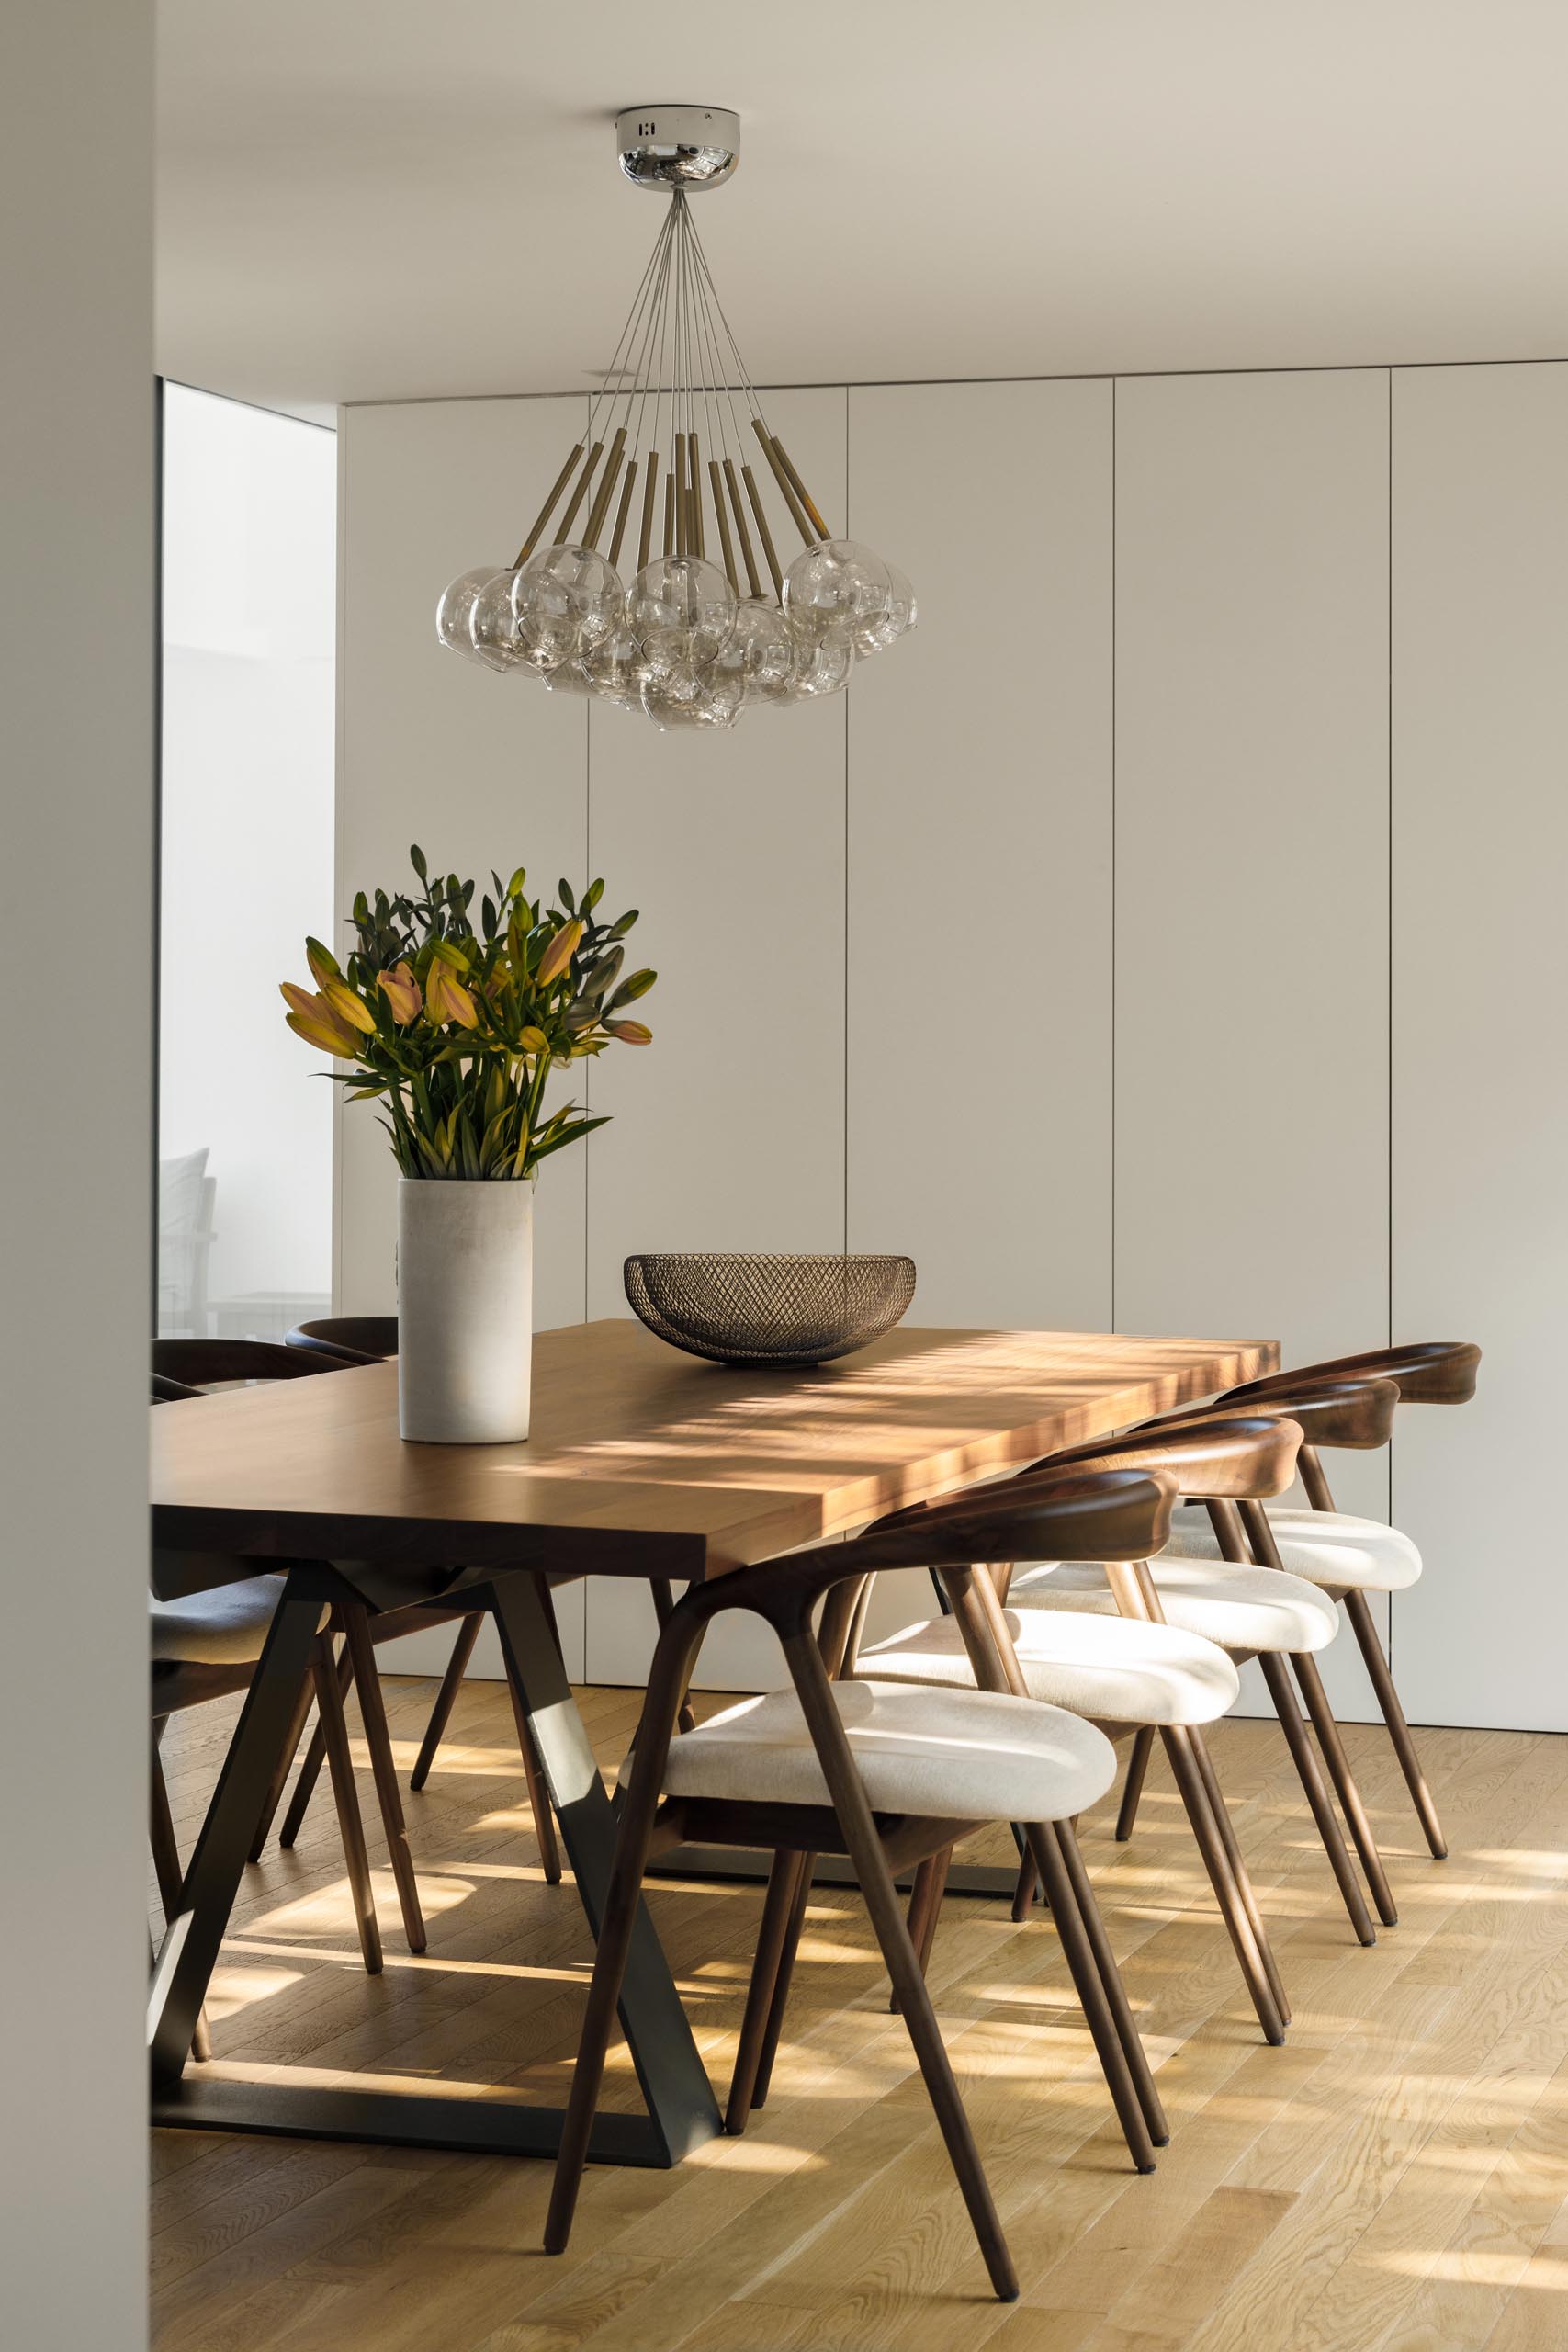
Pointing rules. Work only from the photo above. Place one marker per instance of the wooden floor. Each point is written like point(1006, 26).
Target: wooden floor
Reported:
point(1395, 2176)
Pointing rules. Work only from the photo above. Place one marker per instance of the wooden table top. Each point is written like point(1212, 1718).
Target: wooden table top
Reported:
point(642, 1461)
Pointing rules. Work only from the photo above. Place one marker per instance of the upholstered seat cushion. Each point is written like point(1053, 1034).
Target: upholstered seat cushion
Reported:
point(959, 1755)
point(228, 1626)
point(1326, 1547)
point(1113, 1668)
point(1241, 1608)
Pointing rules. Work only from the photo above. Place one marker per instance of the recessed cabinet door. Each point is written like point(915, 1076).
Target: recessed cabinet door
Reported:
point(1252, 873)
point(1480, 1011)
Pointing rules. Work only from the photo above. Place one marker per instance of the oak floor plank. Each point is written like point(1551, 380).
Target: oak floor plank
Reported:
point(1396, 2179)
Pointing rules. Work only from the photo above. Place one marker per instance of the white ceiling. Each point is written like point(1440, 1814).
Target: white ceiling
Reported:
point(371, 199)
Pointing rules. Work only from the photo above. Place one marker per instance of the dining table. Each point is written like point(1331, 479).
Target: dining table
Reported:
point(640, 1462)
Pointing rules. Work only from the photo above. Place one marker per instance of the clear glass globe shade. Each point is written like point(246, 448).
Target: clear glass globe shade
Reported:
point(711, 698)
point(568, 678)
point(545, 629)
point(615, 667)
point(766, 651)
point(895, 621)
point(574, 584)
point(455, 610)
point(493, 628)
point(822, 666)
point(836, 586)
point(681, 611)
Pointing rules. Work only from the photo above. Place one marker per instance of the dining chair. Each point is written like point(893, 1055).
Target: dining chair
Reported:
point(1132, 1674)
point(1349, 1557)
point(204, 1647)
point(338, 1342)
point(1253, 1609)
point(198, 1365)
point(885, 1773)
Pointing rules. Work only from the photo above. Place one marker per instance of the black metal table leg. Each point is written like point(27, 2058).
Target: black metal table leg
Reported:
point(682, 2111)
point(192, 1938)
point(680, 2103)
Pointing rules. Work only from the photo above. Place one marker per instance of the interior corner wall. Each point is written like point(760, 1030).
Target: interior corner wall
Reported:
point(77, 462)
point(1164, 939)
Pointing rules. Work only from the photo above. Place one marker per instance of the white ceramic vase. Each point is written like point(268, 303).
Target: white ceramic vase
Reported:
point(464, 1311)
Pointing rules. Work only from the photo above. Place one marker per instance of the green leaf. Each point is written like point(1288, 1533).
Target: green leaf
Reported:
point(591, 896)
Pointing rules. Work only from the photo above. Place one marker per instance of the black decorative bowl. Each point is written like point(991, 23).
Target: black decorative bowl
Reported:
point(737, 1307)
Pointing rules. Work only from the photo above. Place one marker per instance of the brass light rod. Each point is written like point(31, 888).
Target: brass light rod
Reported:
point(548, 509)
point(744, 535)
point(607, 484)
point(583, 479)
point(716, 484)
point(801, 491)
point(797, 512)
point(621, 511)
point(649, 493)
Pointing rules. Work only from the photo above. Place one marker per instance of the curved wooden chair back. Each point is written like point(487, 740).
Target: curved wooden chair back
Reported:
point(1211, 1455)
point(350, 1338)
point(1428, 1372)
point(1333, 1412)
point(207, 1364)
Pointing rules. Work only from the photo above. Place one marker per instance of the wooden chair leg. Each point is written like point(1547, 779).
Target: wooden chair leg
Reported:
point(1115, 1991)
point(1344, 1784)
point(1220, 1812)
point(171, 1876)
point(1133, 1788)
point(1045, 1846)
point(315, 1755)
point(1240, 1928)
point(280, 1778)
point(880, 1899)
point(325, 1673)
point(805, 1867)
point(663, 1603)
point(1304, 1755)
point(778, 1905)
point(925, 1905)
point(538, 1790)
point(446, 1697)
point(1366, 1632)
point(389, 1796)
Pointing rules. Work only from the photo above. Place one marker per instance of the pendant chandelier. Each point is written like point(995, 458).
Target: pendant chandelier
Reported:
point(652, 576)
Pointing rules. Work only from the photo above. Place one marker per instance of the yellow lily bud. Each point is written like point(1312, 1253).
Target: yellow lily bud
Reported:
point(630, 1033)
point(332, 1037)
point(533, 1041)
point(558, 953)
point(349, 1007)
point(301, 1000)
point(323, 963)
point(446, 999)
point(402, 991)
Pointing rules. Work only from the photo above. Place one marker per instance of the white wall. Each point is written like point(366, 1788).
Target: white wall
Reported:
point(1097, 1007)
point(76, 670)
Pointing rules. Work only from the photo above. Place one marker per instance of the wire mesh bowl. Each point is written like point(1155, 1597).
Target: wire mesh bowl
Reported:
point(734, 1307)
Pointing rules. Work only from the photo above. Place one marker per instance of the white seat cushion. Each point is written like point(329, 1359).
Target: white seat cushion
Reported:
point(1111, 1668)
point(1326, 1547)
point(228, 1626)
point(1240, 1608)
point(959, 1755)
